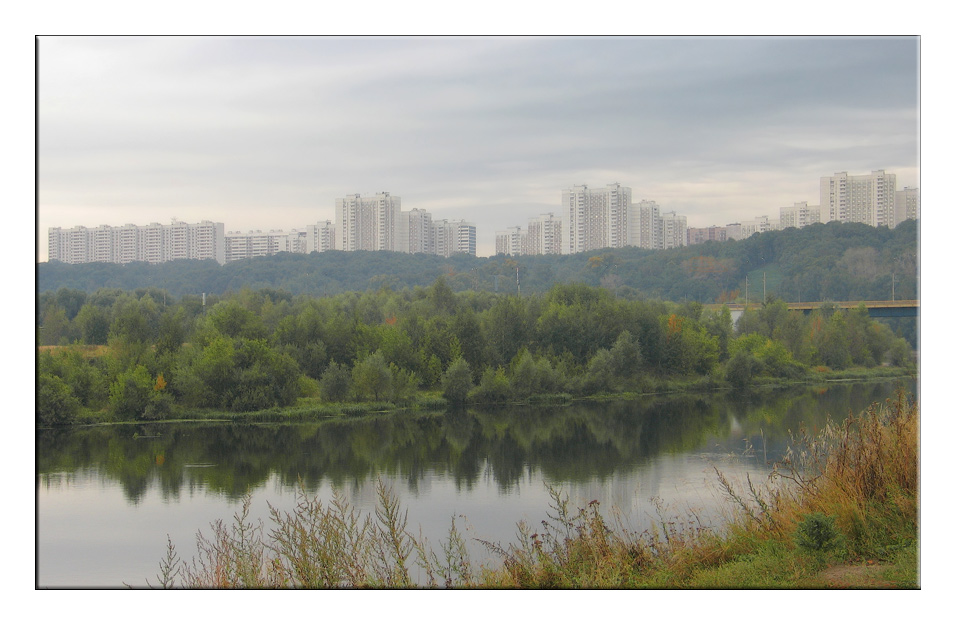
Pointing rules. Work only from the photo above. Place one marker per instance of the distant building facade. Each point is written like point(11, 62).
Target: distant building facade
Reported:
point(544, 235)
point(367, 223)
point(511, 241)
point(320, 237)
point(868, 199)
point(256, 243)
point(800, 215)
point(154, 243)
point(674, 230)
point(710, 233)
point(595, 218)
point(906, 205)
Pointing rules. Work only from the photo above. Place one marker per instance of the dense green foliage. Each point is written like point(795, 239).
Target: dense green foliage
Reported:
point(260, 349)
point(834, 262)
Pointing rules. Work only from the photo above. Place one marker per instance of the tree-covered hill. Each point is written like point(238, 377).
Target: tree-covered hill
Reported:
point(821, 262)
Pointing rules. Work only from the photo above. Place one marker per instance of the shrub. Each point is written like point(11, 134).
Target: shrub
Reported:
point(818, 535)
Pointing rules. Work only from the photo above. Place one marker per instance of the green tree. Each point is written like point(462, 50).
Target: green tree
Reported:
point(131, 393)
point(626, 355)
point(232, 319)
point(900, 353)
point(457, 382)
point(335, 382)
point(93, 324)
point(54, 326)
point(740, 368)
point(600, 374)
point(371, 377)
point(493, 388)
point(56, 403)
point(832, 344)
point(172, 332)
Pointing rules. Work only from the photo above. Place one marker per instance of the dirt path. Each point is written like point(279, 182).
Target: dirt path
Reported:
point(866, 576)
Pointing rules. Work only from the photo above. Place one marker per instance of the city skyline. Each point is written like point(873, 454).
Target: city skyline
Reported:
point(265, 133)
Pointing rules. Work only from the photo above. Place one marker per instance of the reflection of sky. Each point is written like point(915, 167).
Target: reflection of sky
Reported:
point(89, 534)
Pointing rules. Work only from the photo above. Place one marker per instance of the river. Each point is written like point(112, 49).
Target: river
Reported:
point(109, 496)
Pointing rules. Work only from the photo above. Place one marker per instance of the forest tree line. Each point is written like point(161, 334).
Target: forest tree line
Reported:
point(822, 262)
point(264, 348)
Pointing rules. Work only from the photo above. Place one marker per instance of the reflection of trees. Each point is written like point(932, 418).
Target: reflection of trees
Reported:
point(567, 444)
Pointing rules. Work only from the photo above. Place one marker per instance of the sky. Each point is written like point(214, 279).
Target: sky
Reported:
point(265, 133)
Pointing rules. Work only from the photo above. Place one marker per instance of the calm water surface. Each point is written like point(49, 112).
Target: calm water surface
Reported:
point(108, 497)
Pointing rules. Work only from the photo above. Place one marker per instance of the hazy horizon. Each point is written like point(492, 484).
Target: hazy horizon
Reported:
point(265, 133)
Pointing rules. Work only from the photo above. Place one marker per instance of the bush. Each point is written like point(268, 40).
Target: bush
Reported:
point(818, 535)
point(493, 388)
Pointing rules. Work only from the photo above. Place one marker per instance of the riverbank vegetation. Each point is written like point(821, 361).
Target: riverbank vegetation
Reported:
point(840, 512)
point(145, 355)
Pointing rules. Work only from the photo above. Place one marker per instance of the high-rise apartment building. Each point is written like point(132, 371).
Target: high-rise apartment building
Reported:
point(544, 235)
point(414, 232)
point(646, 225)
point(800, 215)
point(320, 237)
point(365, 223)
point(868, 199)
point(906, 205)
point(463, 236)
point(595, 218)
point(511, 241)
point(674, 230)
point(256, 243)
point(154, 243)
point(453, 237)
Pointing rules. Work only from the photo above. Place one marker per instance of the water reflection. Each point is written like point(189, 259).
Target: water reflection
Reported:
point(581, 443)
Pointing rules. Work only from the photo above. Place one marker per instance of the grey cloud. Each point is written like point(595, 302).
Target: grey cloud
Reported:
point(234, 122)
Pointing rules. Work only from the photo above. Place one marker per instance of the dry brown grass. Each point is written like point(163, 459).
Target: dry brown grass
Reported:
point(88, 351)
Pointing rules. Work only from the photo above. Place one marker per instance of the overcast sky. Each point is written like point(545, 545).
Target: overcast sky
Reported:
point(265, 133)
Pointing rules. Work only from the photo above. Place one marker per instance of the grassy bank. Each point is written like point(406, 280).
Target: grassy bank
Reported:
point(840, 512)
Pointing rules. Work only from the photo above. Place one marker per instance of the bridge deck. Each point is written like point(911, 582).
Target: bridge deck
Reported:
point(906, 307)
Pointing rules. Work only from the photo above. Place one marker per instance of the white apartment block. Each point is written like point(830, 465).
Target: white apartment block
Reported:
point(320, 237)
point(868, 199)
point(747, 228)
point(255, 243)
point(510, 242)
point(674, 230)
point(595, 218)
point(646, 225)
point(453, 237)
point(906, 205)
point(800, 215)
point(544, 235)
point(154, 243)
point(463, 237)
point(365, 223)
point(414, 233)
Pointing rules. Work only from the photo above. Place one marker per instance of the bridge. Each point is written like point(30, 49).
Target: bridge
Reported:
point(876, 308)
